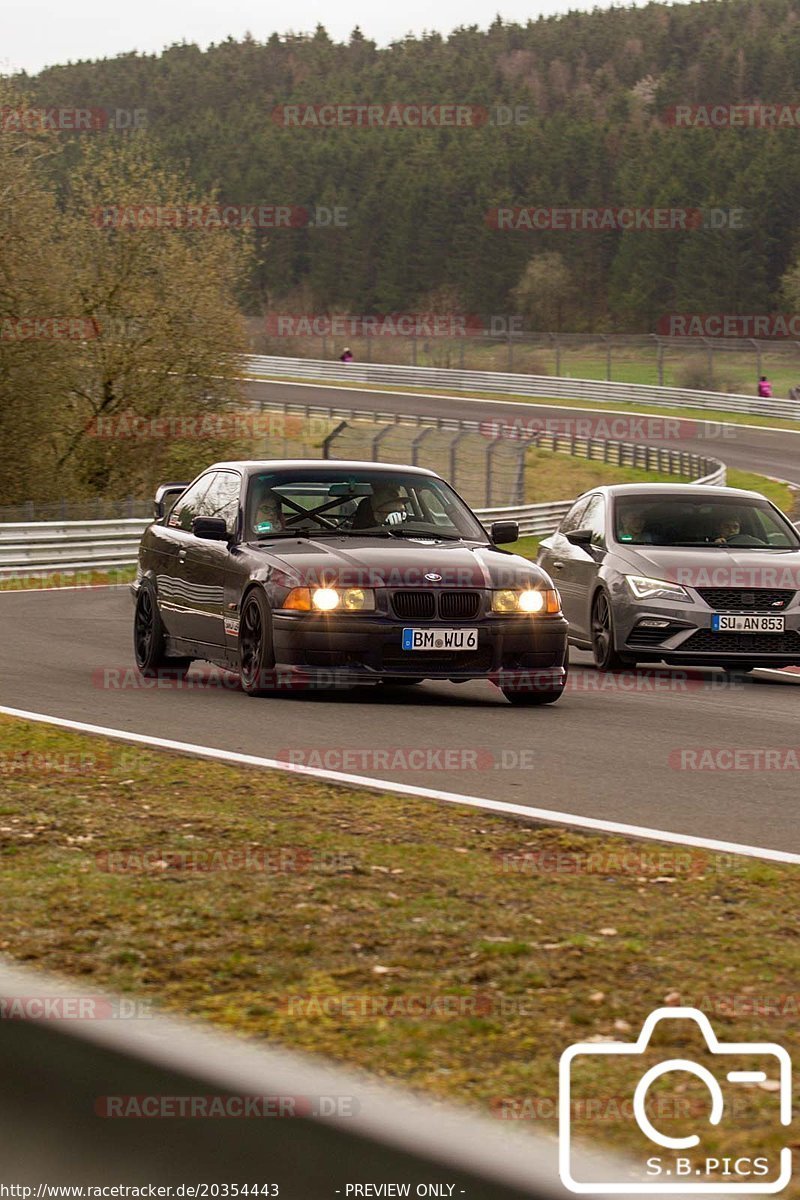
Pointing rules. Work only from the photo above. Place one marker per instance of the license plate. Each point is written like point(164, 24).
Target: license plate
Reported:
point(440, 639)
point(721, 623)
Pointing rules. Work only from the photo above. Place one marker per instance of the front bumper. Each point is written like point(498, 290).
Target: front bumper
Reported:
point(368, 647)
point(682, 634)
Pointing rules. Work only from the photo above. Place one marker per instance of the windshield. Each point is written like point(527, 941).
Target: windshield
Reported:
point(695, 521)
point(331, 501)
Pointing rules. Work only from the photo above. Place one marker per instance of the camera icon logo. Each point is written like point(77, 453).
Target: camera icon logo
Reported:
point(673, 1164)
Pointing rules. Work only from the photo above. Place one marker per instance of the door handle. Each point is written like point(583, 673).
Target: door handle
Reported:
point(181, 556)
point(558, 565)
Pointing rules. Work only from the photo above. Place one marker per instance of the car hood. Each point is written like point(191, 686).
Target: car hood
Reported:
point(735, 567)
point(394, 562)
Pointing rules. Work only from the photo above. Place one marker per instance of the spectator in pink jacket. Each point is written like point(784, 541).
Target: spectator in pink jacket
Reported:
point(764, 387)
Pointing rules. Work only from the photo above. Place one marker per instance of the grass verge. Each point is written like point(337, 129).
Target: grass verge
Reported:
point(555, 476)
point(452, 950)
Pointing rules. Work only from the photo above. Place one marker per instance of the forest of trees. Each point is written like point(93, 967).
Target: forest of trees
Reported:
point(595, 88)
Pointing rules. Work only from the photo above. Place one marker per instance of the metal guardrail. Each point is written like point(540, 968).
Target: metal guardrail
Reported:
point(69, 545)
point(66, 546)
point(545, 386)
point(66, 1080)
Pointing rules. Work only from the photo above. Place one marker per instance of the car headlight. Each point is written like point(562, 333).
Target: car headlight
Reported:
point(330, 599)
point(645, 588)
point(532, 601)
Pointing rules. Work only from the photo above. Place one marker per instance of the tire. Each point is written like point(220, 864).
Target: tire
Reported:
point(256, 653)
point(605, 655)
point(737, 668)
point(528, 699)
point(149, 641)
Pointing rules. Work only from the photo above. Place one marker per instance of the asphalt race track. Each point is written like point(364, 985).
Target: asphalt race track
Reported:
point(766, 451)
point(614, 748)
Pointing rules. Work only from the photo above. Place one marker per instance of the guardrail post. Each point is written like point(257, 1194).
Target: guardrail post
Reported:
point(376, 441)
point(334, 433)
point(453, 453)
point(417, 442)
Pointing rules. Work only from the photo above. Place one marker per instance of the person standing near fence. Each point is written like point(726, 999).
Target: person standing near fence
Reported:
point(346, 356)
point(764, 388)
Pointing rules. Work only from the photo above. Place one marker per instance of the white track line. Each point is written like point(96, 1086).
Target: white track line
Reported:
point(383, 785)
point(539, 402)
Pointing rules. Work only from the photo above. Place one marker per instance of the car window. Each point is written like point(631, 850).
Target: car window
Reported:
point(594, 518)
point(188, 504)
point(352, 502)
point(573, 518)
point(222, 499)
point(718, 521)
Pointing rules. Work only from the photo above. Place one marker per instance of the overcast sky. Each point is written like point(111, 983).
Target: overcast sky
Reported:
point(38, 33)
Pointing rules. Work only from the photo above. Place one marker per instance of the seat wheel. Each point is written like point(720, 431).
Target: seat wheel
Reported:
point(605, 655)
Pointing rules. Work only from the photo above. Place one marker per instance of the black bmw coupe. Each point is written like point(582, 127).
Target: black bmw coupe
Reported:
point(336, 573)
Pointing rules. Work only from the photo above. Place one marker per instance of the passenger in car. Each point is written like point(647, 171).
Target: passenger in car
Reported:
point(633, 527)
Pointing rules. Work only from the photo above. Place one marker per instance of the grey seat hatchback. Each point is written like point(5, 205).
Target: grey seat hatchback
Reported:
point(679, 574)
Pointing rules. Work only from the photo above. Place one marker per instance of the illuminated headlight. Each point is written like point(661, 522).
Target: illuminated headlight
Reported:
point(645, 588)
point(529, 600)
point(326, 599)
point(330, 599)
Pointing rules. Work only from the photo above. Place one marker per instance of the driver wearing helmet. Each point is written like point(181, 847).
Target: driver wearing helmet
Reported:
point(268, 516)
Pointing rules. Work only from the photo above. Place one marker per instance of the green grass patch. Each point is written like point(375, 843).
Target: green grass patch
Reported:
point(781, 494)
point(528, 547)
point(453, 950)
point(555, 476)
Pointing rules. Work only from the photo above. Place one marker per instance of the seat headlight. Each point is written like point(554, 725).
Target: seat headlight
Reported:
point(645, 588)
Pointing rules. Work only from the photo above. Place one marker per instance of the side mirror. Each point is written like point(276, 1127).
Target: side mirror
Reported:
point(166, 496)
point(503, 532)
point(580, 537)
point(212, 529)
